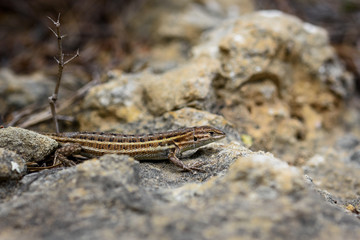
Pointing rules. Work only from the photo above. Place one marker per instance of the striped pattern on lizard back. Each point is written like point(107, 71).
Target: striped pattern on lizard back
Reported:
point(141, 147)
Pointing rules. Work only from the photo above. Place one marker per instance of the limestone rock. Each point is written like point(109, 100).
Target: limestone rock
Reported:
point(132, 98)
point(280, 81)
point(271, 41)
point(118, 100)
point(187, 86)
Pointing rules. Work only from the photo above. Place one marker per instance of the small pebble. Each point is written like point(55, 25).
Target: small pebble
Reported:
point(12, 166)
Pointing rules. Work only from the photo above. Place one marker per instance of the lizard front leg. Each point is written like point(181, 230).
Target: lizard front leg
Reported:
point(64, 151)
point(174, 159)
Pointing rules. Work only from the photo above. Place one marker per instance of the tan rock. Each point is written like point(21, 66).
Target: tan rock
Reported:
point(119, 100)
point(189, 85)
point(281, 81)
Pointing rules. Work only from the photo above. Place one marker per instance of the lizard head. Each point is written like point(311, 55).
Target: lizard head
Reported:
point(206, 134)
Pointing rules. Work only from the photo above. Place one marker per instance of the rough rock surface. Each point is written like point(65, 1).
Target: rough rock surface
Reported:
point(113, 102)
point(280, 80)
point(334, 172)
point(259, 196)
point(186, 86)
point(28, 144)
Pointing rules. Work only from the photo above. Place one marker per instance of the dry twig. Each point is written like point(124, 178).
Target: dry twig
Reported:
point(61, 63)
point(45, 114)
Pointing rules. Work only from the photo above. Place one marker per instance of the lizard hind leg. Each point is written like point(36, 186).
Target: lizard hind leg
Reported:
point(63, 152)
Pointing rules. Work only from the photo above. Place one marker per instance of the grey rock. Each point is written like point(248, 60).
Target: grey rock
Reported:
point(30, 145)
point(347, 142)
point(355, 157)
point(333, 178)
point(12, 166)
point(17, 91)
point(258, 196)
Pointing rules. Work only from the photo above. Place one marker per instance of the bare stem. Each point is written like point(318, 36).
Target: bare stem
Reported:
point(61, 64)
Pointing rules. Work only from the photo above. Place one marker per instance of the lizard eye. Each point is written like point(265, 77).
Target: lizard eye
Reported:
point(195, 138)
point(211, 133)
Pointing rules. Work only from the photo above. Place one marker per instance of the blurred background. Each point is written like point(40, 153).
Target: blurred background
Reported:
point(131, 34)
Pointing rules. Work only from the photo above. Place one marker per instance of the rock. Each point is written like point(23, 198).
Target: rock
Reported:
point(280, 81)
point(188, 23)
point(172, 28)
point(184, 21)
point(259, 196)
point(263, 170)
point(260, 181)
point(333, 177)
point(186, 86)
point(79, 189)
point(347, 142)
point(264, 72)
point(17, 92)
point(285, 42)
point(164, 174)
point(355, 157)
point(12, 166)
point(135, 117)
point(192, 117)
point(28, 144)
point(119, 100)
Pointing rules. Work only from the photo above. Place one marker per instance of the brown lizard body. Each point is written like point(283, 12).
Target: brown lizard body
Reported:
point(157, 146)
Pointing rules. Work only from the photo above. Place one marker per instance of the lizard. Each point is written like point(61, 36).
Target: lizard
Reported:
point(157, 146)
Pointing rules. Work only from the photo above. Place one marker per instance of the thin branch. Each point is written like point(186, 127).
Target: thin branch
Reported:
point(61, 63)
point(57, 23)
point(52, 31)
point(72, 58)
